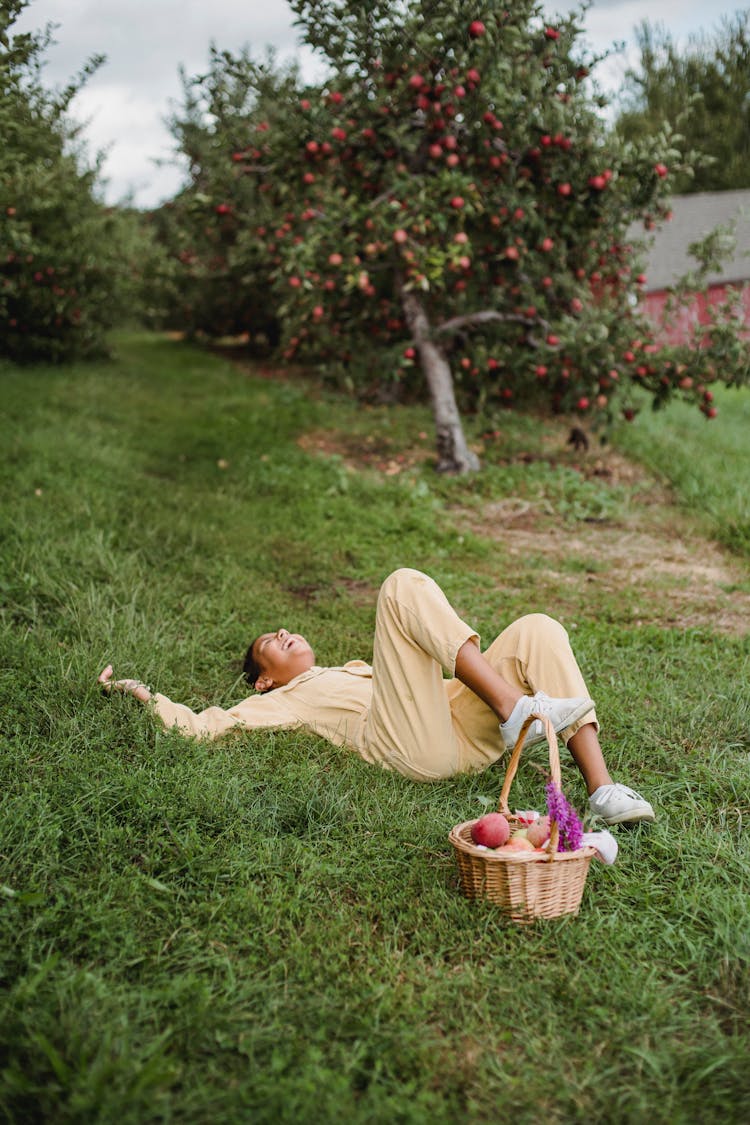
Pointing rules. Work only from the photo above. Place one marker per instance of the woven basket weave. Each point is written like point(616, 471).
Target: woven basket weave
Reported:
point(527, 885)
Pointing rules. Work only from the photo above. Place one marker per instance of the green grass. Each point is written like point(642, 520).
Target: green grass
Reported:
point(707, 462)
point(270, 930)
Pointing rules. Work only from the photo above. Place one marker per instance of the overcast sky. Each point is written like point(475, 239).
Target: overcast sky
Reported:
point(146, 42)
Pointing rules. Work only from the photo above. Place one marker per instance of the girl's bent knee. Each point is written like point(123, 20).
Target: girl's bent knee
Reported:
point(543, 626)
point(403, 578)
point(403, 574)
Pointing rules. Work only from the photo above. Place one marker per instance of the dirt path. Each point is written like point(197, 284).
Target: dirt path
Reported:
point(661, 574)
point(648, 567)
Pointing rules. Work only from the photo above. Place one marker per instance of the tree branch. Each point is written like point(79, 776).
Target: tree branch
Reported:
point(488, 316)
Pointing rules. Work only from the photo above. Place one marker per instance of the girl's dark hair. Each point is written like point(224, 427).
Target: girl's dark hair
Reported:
point(251, 669)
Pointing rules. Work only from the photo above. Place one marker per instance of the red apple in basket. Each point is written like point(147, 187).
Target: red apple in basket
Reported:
point(538, 832)
point(492, 830)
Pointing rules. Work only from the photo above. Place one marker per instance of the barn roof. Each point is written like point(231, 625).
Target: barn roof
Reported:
point(693, 217)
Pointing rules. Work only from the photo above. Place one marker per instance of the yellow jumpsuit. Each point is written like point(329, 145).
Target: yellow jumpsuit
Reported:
point(402, 713)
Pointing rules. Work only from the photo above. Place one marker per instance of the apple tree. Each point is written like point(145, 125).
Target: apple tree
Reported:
point(448, 201)
point(63, 273)
point(458, 200)
point(219, 230)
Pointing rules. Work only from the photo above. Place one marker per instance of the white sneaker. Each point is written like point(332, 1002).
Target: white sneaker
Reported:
point(561, 713)
point(616, 804)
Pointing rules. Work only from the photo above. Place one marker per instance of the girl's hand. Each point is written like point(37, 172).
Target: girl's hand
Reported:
point(129, 687)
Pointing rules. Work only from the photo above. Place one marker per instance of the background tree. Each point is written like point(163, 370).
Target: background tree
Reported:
point(701, 90)
point(447, 201)
point(456, 197)
point(218, 231)
point(65, 276)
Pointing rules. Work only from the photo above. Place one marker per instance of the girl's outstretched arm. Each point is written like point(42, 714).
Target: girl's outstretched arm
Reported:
point(259, 712)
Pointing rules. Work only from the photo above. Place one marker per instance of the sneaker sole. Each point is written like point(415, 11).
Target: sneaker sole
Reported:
point(580, 711)
point(646, 816)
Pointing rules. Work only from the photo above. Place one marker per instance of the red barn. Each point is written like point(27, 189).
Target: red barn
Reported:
point(693, 217)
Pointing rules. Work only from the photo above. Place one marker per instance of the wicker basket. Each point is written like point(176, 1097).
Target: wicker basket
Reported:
point(527, 885)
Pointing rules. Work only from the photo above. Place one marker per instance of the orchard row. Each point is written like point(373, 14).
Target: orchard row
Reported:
point(445, 214)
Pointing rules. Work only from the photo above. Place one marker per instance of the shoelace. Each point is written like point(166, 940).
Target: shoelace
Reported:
point(620, 790)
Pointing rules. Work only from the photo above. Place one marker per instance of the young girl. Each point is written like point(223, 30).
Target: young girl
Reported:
point(401, 713)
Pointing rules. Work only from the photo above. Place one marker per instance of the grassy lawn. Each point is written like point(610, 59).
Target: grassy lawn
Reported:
point(708, 462)
point(269, 930)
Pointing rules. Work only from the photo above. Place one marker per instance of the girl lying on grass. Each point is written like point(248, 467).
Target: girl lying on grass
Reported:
point(401, 713)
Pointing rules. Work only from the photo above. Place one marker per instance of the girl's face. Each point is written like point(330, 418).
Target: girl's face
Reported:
point(281, 656)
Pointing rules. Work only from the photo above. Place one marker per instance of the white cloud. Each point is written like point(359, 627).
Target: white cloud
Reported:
point(126, 126)
point(146, 42)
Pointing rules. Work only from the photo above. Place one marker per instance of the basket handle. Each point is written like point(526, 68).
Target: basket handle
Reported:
point(554, 767)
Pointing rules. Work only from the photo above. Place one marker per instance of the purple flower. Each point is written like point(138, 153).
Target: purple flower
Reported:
point(568, 822)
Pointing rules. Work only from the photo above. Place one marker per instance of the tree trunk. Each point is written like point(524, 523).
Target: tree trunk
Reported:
point(454, 455)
